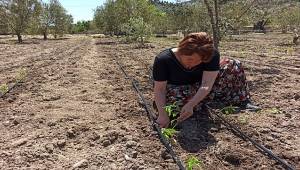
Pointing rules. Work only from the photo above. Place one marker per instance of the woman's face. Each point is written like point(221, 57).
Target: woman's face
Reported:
point(190, 61)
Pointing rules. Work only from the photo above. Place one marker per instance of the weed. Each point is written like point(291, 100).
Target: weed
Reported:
point(243, 119)
point(229, 110)
point(4, 88)
point(21, 75)
point(193, 162)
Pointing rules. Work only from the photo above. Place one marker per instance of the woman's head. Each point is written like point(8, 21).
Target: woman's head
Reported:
point(196, 46)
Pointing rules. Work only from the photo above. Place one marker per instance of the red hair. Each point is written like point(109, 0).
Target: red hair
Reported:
point(200, 43)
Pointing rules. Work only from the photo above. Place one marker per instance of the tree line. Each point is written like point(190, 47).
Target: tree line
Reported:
point(34, 17)
point(138, 19)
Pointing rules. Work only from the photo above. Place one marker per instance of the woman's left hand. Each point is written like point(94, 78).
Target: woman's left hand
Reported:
point(186, 112)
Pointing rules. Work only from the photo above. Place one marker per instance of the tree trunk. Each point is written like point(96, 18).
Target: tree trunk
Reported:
point(45, 35)
point(213, 24)
point(284, 30)
point(295, 39)
point(217, 19)
point(19, 38)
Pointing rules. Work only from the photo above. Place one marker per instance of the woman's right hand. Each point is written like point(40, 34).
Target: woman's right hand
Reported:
point(163, 120)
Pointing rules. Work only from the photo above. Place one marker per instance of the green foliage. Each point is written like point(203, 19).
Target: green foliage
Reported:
point(81, 27)
point(287, 18)
point(61, 22)
point(119, 16)
point(229, 110)
point(172, 109)
point(189, 17)
point(234, 16)
point(137, 30)
point(18, 14)
point(193, 162)
point(168, 132)
point(4, 88)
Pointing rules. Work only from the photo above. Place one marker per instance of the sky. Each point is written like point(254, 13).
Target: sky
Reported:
point(83, 9)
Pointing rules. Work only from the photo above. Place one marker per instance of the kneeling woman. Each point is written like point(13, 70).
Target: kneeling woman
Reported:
point(192, 74)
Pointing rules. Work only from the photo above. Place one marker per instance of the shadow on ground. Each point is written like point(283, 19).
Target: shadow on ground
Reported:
point(195, 133)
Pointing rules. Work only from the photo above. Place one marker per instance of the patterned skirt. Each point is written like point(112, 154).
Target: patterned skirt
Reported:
point(230, 88)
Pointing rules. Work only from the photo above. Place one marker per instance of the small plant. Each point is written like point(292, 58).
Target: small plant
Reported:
point(4, 88)
point(274, 111)
point(243, 120)
point(21, 75)
point(229, 110)
point(193, 162)
point(168, 132)
point(172, 110)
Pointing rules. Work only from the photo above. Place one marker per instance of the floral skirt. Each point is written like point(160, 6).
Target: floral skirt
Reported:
point(230, 88)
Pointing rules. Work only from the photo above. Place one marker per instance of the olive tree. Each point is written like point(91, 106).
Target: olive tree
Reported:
point(137, 30)
point(18, 14)
point(45, 20)
point(61, 21)
point(112, 16)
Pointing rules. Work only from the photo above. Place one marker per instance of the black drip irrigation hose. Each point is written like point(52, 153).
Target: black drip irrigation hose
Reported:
point(260, 147)
point(151, 116)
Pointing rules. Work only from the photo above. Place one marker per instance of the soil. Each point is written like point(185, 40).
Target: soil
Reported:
point(76, 109)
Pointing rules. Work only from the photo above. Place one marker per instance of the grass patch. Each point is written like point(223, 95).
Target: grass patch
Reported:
point(4, 88)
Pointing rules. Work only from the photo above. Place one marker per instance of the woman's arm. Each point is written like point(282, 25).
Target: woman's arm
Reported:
point(160, 101)
point(208, 80)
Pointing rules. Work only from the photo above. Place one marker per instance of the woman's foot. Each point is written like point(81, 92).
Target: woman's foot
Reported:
point(248, 105)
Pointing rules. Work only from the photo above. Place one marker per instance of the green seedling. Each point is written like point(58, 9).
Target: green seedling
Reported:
point(229, 110)
point(193, 162)
point(21, 75)
point(172, 109)
point(4, 88)
point(243, 120)
point(168, 132)
point(274, 111)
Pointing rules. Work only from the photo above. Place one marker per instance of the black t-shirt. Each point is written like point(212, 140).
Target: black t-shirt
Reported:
point(166, 67)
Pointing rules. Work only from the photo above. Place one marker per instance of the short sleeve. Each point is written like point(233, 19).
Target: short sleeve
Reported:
point(214, 64)
point(160, 72)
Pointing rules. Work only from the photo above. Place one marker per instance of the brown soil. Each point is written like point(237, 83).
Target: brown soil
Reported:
point(77, 110)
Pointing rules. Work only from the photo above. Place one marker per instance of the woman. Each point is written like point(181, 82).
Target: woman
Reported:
point(192, 74)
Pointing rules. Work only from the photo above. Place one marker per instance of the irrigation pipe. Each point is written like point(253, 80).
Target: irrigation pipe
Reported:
point(151, 116)
point(260, 147)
